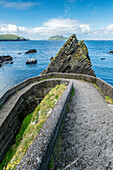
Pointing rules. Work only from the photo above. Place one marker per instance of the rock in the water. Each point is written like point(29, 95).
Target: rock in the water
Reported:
point(1, 59)
point(11, 62)
point(72, 58)
point(7, 58)
point(31, 51)
point(111, 52)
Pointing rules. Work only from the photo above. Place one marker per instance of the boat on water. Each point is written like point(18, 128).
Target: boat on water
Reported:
point(31, 61)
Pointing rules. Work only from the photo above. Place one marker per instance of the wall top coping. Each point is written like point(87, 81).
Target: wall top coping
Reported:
point(28, 81)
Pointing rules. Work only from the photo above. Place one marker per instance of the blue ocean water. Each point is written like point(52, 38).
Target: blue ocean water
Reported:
point(12, 74)
point(103, 68)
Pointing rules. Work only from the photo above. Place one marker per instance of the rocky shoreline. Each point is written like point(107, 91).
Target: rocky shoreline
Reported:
point(6, 59)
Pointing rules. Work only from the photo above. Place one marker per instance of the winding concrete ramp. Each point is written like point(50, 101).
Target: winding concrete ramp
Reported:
point(87, 133)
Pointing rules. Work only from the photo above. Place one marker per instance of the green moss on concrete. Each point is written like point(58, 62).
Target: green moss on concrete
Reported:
point(59, 141)
point(108, 99)
point(57, 149)
point(72, 92)
point(30, 128)
point(98, 88)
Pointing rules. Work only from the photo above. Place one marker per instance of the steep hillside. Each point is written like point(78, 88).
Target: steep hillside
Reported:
point(58, 37)
point(11, 37)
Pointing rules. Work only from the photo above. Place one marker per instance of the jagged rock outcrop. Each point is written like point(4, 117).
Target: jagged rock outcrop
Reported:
point(72, 58)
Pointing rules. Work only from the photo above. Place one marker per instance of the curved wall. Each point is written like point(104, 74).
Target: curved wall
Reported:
point(24, 104)
point(106, 88)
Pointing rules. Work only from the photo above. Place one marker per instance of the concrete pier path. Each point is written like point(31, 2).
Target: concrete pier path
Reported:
point(87, 132)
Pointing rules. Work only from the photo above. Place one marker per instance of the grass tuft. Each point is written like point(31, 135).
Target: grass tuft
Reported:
point(73, 92)
point(108, 99)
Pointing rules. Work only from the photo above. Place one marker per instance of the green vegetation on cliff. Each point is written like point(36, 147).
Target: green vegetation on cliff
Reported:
point(73, 57)
point(58, 37)
point(11, 37)
point(30, 128)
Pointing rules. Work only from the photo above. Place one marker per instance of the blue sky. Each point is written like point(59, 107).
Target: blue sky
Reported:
point(40, 19)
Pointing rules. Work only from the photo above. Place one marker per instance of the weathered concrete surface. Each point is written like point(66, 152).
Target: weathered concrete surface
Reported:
point(87, 133)
point(18, 106)
point(106, 88)
point(39, 153)
point(85, 97)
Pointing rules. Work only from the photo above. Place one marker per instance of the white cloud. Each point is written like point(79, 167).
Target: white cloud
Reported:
point(60, 26)
point(110, 27)
point(49, 28)
point(66, 26)
point(17, 4)
point(9, 28)
point(104, 31)
point(85, 28)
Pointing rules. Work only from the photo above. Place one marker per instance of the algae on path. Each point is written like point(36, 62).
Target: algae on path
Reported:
point(30, 128)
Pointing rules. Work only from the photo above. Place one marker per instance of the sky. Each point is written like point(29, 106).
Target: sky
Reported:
point(40, 19)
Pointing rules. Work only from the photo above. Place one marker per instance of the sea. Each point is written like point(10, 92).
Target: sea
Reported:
point(12, 74)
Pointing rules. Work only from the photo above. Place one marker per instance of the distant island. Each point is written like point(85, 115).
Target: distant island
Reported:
point(58, 37)
point(11, 37)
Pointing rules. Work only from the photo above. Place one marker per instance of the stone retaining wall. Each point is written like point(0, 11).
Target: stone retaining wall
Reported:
point(24, 104)
point(39, 153)
point(21, 85)
point(106, 88)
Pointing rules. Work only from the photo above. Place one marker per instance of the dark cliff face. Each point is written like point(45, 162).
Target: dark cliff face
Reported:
point(72, 58)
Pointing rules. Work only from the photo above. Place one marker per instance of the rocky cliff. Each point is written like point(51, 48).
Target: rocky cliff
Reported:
point(72, 58)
